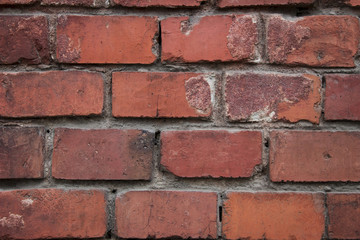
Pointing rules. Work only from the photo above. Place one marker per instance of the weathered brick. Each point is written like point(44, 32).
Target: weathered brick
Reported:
point(106, 39)
point(211, 153)
point(21, 152)
point(24, 39)
point(172, 95)
point(159, 3)
point(54, 93)
point(242, 3)
point(213, 38)
point(270, 97)
point(320, 41)
point(102, 154)
point(52, 213)
point(307, 156)
point(83, 3)
point(273, 216)
point(344, 215)
point(342, 97)
point(166, 214)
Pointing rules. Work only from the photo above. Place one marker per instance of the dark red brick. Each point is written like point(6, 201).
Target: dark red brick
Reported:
point(159, 3)
point(273, 216)
point(102, 154)
point(16, 2)
point(166, 214)
point(106, 39)
point(342, 100)
point(310, 156)
point(344, 215)
point(24, 39)
point(54, 93)
point(212, 38)
point(243, 3)
point(172, 95)
point(52, 213)
point(22, 152)
point(319, 41)
point(211, 153)
point(270, 97)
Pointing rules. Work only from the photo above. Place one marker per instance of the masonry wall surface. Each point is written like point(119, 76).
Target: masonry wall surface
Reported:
point(200, 119)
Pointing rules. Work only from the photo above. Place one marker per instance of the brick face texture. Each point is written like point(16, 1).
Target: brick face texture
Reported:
point(102, 154)
point(179, 119)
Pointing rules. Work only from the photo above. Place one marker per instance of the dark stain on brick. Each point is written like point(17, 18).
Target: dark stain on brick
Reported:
point(141, 148)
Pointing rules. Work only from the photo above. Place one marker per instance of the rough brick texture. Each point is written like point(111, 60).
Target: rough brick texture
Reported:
point(24, 39)
point(172, 95)
point(211, 153)
point(320, 41)
point(308, 156)
point(159, 3)
point(55, 93)
point(241, 3)
point(106, 39)
point(211, 38)
point(344, 215)
point(52, 213)
point(22, 152)
point(102, 154)
point(270, 97)
point(274, 216)
point(166, 214)
point(342, 100)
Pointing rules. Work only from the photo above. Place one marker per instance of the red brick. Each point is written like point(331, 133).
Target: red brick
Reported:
point(319, 41)
point(172, 95)
point(342, 97)
point(21, 152)
point(270, 97)
point(52, 213)
point(353, 3)
point(213, 38)
point(84, 3)
point(54, 93)
point(106, 39)
point(211, 153)
point(344, 215)
point(242, 3)
point(273, 216)
point(159, 3)
point(24, 39)
point(102, 154)
point(166, 214)
point(307, 156)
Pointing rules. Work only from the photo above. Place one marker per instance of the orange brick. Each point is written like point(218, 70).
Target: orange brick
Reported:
point(106, 39)
point(166, 214)
point(213, 38)
point(274, 216)
point(52, 213)
point(55, 93)
point(319, 41)
point(172, 95)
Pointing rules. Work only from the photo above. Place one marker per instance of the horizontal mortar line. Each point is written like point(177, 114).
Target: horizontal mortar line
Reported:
point(227, 67)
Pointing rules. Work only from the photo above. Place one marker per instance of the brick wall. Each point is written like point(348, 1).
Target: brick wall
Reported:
point(210, 119)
